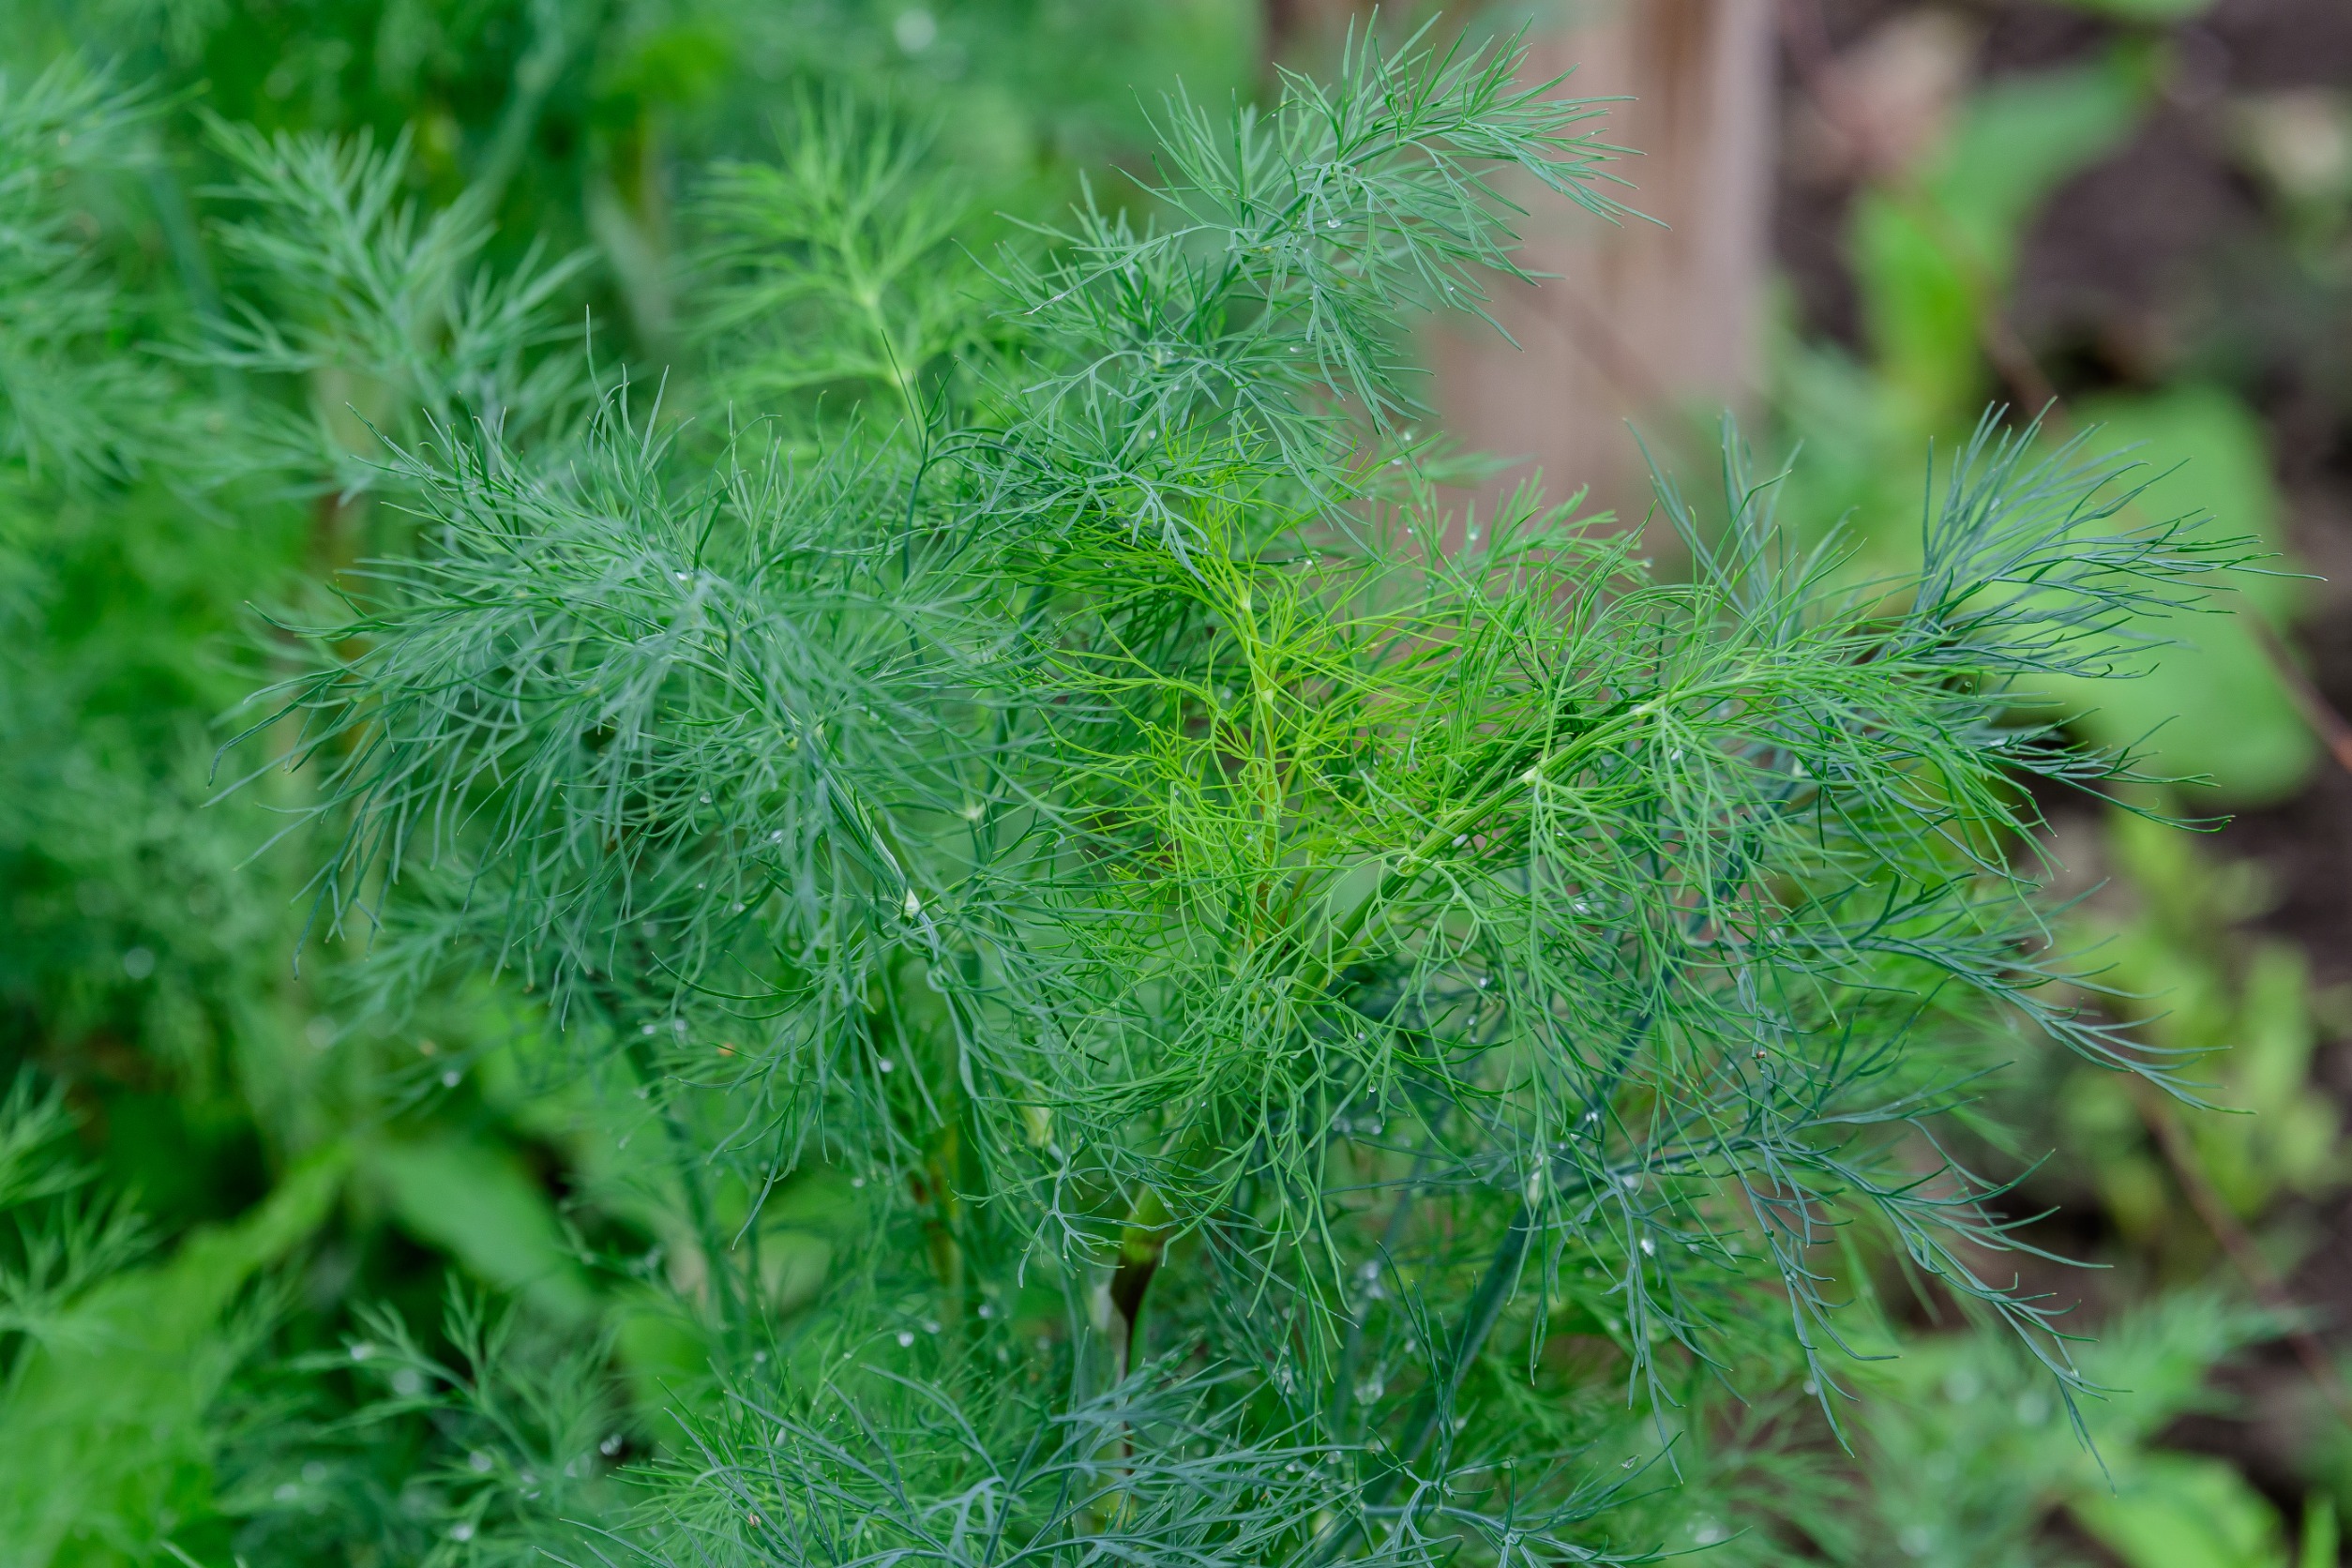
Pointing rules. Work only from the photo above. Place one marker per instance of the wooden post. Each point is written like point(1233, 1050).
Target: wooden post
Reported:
point(1655, 324)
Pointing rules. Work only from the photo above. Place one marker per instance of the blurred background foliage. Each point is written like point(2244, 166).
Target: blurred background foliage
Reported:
point(2136, 214)
point(242, 1216)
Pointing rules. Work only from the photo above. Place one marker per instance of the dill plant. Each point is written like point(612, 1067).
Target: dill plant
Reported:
point(1305, 1002)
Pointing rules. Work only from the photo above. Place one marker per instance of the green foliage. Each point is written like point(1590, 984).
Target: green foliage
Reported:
point(1936, 251)
point(2147, 12)
point(385, 311)
point(1006, 935)
point(169, 459)
point(75, 411)
point(66, 1242)
point(2212, 707)
point(494, 1448)
point(2246, 1009)
point(1217, 918)
point(840, 266)
point(1931, 259)
point(490, 1215)
point(2186, 1513)
point(106, 1416)
point(1934, 257)
point(1967, 1456)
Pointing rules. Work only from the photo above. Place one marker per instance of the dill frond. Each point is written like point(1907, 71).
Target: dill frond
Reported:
point(1282, 957)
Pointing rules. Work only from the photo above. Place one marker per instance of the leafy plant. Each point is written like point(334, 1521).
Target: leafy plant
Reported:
point(1969, 1460)
point(1001, 930)
point(2247, 1008)
point(1309, 985)
point(112, 1372)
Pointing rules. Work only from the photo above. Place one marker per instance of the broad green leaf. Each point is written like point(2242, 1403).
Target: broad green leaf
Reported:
point(665, 1352)
point(1932, 257)
point(477, 1204)
point(2172, 1511)
point(2212, 706)
point(2319, 1534)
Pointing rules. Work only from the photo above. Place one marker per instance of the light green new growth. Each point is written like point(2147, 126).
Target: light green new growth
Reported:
point(1282, 959)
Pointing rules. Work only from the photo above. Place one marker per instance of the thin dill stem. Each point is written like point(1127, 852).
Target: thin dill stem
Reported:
point(1478, 1316)
point(1344, 1376)
point(686, 1160)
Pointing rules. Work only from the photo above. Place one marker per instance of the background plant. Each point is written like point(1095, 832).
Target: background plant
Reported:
point(2049, 292)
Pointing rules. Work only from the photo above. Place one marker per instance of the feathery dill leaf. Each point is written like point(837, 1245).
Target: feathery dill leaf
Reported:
point(70, 411)
point(383, 309)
